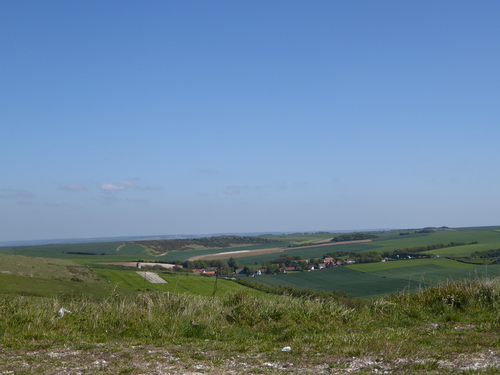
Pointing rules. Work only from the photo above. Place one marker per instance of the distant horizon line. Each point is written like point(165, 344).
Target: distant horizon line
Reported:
point(73, 240)
point(61, 241)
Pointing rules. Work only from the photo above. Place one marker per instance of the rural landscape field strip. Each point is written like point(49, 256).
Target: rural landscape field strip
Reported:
point(249, 253)
point(255, 322)
point(402, 274)
point(378, 266)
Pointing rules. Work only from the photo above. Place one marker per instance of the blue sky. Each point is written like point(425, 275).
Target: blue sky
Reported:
point(183, 117)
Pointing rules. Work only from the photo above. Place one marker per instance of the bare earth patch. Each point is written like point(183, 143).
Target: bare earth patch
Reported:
point(249, 253)
point(152, 277)
point(111, 359)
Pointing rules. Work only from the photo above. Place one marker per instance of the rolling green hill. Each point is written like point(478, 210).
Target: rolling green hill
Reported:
point(82, 263)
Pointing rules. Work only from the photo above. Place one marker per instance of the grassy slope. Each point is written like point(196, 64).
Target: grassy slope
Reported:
point(46, 287)
point(239, 333)
point(177, 282)
point(49, 276)
point(113, 252)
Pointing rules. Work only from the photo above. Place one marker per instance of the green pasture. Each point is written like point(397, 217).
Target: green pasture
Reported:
point(463, 251)
point(47, 268)
point(177, 282)
point(58, 251)
point(489, 239)
point(355, 284)
point(380, 266)
point(113, 252)
point(431, 274)
point(301, 237)
point(376, 281)
point(48, 287)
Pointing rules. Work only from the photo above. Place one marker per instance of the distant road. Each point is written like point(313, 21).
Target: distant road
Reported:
point(249, 253)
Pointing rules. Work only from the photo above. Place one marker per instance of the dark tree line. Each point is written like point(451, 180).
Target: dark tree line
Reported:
point(492, 253)
point(353, 237)
point(163, 246)
point(372, 256)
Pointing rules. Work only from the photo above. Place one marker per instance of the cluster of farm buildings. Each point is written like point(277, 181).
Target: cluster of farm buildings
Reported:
point(328, 262)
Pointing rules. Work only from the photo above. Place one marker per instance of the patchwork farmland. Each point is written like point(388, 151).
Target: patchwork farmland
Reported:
point(101, 269)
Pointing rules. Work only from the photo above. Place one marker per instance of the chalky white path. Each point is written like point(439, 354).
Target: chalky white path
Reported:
point(152, 277)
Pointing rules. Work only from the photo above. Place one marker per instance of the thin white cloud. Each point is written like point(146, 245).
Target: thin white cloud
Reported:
point(73, 187)
point(107, 187)
point(16, 193)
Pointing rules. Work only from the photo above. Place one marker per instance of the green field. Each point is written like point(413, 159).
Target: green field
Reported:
point(29, 275)
point(485, 239)
point(60, 269)
point(377, 279)
point(177, 282)
point(381, 266)
point(43, 287)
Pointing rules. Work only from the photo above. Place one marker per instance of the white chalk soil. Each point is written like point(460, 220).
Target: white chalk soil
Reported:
point(152, 277)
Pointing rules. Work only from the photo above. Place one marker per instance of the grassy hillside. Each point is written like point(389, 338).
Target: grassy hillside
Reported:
point(28, 275)
point(177, 282)
point(158, 247)
point(39, 267)
point(452, 328)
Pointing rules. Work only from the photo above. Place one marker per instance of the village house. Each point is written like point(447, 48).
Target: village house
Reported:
point(205, 271)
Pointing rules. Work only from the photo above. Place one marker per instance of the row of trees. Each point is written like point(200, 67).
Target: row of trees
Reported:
point(353, 237)
point(492, 253)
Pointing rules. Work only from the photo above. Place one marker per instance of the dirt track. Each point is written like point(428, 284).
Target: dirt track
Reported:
point(148, 359)
point(249, 253)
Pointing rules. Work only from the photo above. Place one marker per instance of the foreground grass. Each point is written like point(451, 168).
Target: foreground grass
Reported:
point(449, 328)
